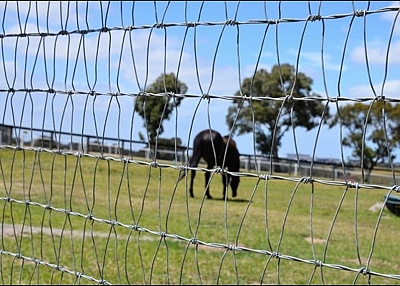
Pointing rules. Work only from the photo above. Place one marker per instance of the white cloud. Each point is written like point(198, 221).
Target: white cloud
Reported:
point(150, 60)
point(377, 53)
point(45, 16)
point(391, 90)
point(391, 16)
point(314, 59)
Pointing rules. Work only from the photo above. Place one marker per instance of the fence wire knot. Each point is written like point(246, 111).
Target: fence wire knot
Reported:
point(364, 271)
point(314, 18)
point(273, 21)
point(231, 22)
point(396, 188)
point(63, 32)
point(219, 171)
point(104, 29)
point(265, 176)
point(306, 180)
point(359, 13)
point(318, 263)
point(154, 164)
point(37, 149)
point(246, 97)
point(101, 156)
point(182, 167)
point(332, 99)
point(380, 98)
point(289, 98)
point(171, 94)
point(275, 255)
point(104, 282)
point(232, 247)
point(351, 184)
point(142, 93)
point(193, 240)
point(205, 96)
point(191, 24)
point(135, 227)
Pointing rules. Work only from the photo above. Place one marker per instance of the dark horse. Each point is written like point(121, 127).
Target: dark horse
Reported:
point(204, 145)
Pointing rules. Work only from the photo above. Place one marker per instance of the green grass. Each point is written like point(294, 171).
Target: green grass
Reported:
point(149, 197)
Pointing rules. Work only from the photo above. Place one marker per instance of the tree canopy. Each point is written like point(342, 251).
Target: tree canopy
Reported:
point(272, 118)
point(372, 131)
point(155, 109)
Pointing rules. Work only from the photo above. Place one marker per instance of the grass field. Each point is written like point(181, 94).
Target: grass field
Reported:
point(77, 213)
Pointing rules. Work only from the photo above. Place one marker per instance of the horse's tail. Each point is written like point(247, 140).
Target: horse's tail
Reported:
point(193, 162)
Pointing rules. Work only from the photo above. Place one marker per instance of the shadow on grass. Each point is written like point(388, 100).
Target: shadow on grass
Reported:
point(232, 200)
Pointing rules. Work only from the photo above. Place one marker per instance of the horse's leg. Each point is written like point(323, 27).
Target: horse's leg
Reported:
point(225, 179)
point(207, 175)
point(193, 162)
point(191, 183)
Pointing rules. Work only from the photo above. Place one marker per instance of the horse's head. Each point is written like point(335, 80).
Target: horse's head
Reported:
point(233, 163)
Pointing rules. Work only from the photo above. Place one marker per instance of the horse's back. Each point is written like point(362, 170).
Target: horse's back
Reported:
point(231, 143)
point(208, 144)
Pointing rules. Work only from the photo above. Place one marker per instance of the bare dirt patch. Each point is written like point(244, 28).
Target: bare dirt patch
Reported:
point(316, 240)
point(9, 230)
point(376, 207)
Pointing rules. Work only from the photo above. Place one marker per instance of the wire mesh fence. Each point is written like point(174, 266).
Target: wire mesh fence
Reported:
point(72, 213)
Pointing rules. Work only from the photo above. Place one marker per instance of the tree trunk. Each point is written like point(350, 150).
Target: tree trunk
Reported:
point(367, 176)
point(275, 160)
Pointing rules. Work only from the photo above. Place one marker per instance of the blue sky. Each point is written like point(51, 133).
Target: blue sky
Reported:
point(58, 62)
